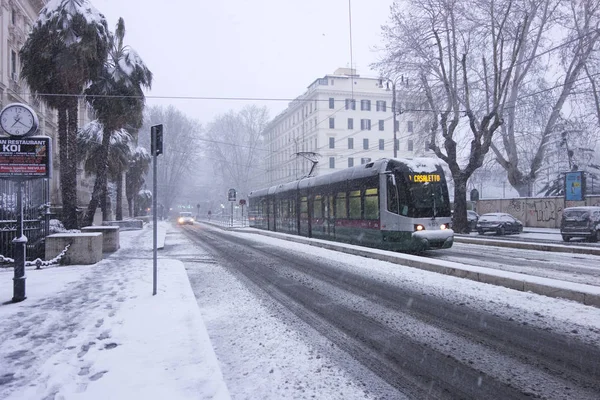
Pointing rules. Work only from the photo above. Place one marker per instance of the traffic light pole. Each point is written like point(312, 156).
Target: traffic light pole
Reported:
point(154, 217)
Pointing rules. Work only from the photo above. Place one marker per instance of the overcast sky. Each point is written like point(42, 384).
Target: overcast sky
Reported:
point(241, 48)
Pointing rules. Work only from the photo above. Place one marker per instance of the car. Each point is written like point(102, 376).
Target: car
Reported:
point(472, 218)
point(185, 218)
point(582, 222)
point(498, 223)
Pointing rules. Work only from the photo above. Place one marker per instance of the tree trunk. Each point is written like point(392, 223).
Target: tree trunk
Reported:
point(63, 158)
point(100, 183)
point(460, 224)
point(119, 206)
point(69, 167)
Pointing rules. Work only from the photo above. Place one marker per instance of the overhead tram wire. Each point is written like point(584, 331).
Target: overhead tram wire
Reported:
point(243, 98)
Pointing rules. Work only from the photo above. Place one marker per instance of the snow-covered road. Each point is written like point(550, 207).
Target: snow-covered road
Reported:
point(341, 321)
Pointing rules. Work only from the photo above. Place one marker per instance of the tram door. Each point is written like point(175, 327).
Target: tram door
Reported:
point(304, 218)
point(272, 210)
point(329, 216)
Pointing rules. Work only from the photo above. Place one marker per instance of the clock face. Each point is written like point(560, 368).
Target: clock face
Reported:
point(18, 120)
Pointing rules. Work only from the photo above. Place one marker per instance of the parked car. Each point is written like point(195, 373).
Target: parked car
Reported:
point(499, 223)
point(581, 222)
point(185, 218)
point(472, 218)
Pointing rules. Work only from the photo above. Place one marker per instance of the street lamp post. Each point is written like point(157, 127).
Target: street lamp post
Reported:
point(393, 82)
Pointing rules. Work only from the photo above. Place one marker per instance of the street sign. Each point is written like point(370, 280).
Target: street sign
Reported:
point(25, 158)
point(242, 202)
point(231, 195)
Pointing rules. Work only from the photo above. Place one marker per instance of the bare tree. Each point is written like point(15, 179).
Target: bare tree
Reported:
point(536, 102)
point(181, 151)
point(235, 141)
point(464, 53)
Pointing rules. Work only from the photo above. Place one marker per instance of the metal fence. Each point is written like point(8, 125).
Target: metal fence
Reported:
point(35, 216)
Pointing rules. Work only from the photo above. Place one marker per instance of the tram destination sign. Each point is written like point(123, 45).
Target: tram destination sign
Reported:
point(26, 158)
point(425, 177)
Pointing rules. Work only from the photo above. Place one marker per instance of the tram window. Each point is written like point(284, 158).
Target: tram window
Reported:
point(304, 207)
point(392, 195)
point(354, 205)
point(341, 210)
point(396, 196)
point(371, 204)
point(318, 207)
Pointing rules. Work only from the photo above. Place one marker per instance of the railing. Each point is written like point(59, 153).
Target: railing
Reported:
point(35, 216)
point(227, 220)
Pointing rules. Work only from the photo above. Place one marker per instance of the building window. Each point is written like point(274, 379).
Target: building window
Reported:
point(13, 64)
point(323, 81)
point(366, 144)
point(365, 160)
point(410, 127)
point(350, 104)
point(331, 103)
point(13, 16)
point(365, 124)
point(331, 123)
point(381, 144)
point(332, 143)
point(365, 105)
point(350, 123)
point(410, 145)
point(350, 162)
point(331, 162)
point(350, 143)
point(380, 105)
point(381, 125)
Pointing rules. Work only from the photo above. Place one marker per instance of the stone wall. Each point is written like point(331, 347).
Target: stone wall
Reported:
point(540, 212)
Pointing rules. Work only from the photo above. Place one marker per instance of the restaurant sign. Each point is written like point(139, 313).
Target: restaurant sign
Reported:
point(26, 158)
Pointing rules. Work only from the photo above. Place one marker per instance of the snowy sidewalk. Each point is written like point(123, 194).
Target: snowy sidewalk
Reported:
point(96, 332)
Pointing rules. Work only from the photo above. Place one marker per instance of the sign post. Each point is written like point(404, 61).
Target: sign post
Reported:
point(231, 197)
point(156, 133)
point(22, 157)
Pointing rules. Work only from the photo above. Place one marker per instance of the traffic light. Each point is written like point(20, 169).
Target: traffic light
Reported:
point(156, 131)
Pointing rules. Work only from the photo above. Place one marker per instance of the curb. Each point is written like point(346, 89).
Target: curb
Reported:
point(528, 246)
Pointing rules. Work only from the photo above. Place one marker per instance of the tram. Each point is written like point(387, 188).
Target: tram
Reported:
point(393, 204)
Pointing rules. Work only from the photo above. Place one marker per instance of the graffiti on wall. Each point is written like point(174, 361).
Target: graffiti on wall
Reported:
point(545, 210)
point(534, 212)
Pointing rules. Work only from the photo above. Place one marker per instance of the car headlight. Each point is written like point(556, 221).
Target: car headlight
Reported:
point(180, 220)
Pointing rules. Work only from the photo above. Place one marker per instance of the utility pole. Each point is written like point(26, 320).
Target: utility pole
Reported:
point(395, 123)
point(394, 111)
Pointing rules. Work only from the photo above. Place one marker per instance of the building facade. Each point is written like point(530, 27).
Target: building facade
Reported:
point(17, 17)
point(342, 120)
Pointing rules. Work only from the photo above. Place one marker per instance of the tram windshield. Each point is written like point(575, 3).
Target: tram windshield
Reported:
point(418, 195)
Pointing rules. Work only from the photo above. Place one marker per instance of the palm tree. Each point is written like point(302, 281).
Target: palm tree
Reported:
point(65, 50)
point(139, 166)
point(117, 97)
point(89, 141)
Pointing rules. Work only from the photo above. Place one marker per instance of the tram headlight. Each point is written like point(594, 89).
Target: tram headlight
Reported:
point(419, 227)
point(444, 226)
